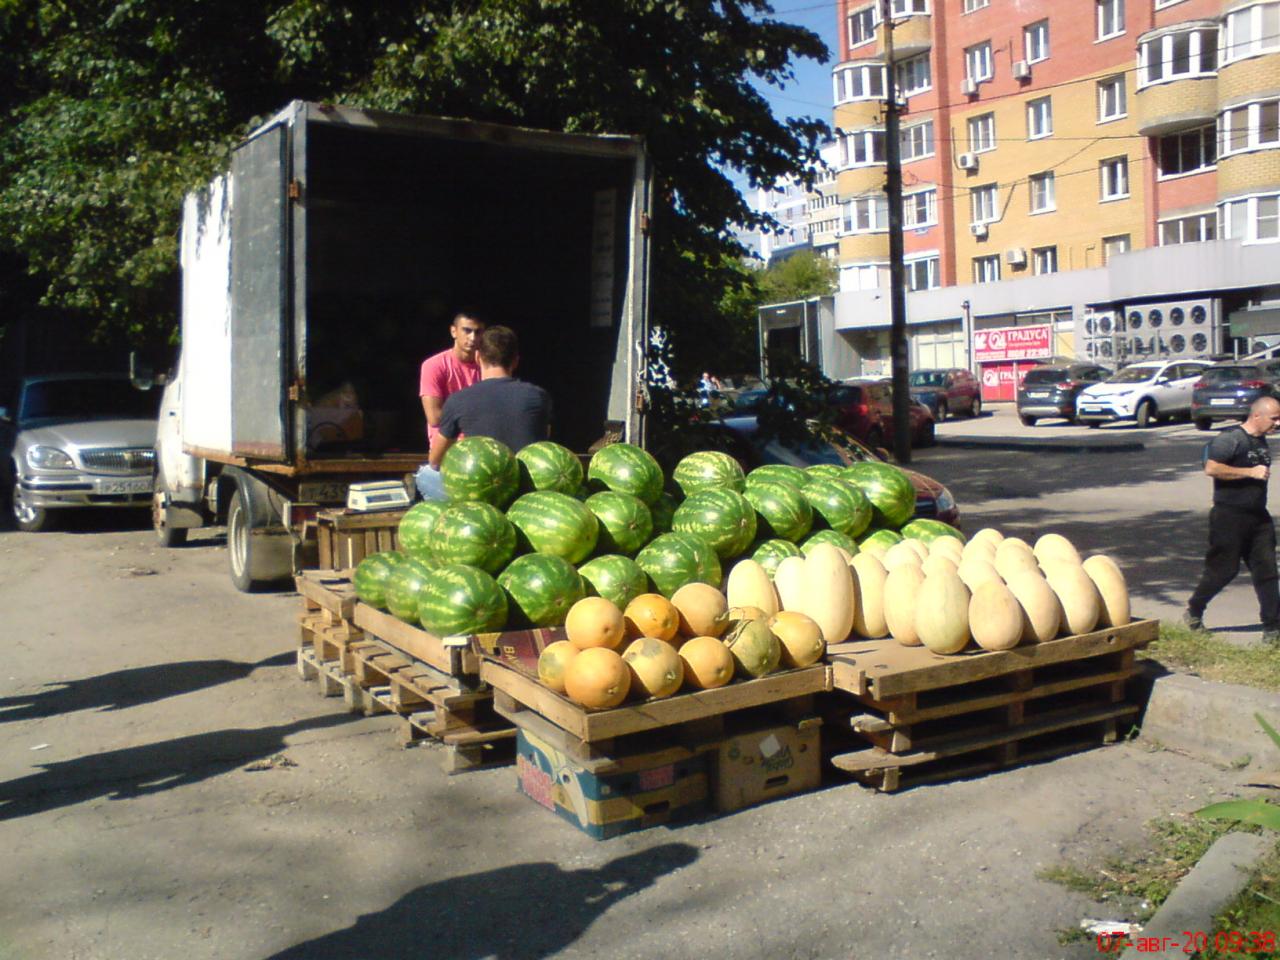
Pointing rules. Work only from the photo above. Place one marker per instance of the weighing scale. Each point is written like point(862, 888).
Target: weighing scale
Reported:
point(377, 495)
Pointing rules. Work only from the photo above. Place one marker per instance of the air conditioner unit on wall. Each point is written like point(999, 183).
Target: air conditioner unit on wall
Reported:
point(968, 87)
point(1021, 70)
point(1015, 257)
point(967, 161)
point(979, 230)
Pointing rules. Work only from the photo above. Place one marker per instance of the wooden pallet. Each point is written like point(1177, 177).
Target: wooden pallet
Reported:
point(922, 717)
point(452, 656)
point(344, 538)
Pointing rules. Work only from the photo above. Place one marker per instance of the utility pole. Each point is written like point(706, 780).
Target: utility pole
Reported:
point(897, 278)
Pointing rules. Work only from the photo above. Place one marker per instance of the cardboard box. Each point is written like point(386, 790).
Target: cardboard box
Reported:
point(616, 797)
point(755, 767)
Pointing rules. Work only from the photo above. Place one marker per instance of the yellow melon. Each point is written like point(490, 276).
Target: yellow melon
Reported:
point(877, 548)
point(707, 662)
point(1041, 611)
point(989, 534)
point(937, 563)
point(1054, 546)
point(1009, 562)
point(801, 638)
point(942, 613)
point(979, 550)
point(899, 554)
point(901, 588)
point(702, 609)
point(597, 678)
point(749, 586)
point(869, 577)
point(594, 622)
point(995, 617)
point(552, 663)
point(1081, 602)
point(651, 615)
point(974, 570)
point(656, 669)
point(949, 547)
point(828, 597)
point(788, 579)
point(919, 546)
point(1109, 579)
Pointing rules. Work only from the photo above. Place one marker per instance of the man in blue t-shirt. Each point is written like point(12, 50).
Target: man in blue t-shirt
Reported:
point(499, 406)
point(1240, 528)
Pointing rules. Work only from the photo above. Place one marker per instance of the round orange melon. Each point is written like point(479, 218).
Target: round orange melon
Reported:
point(594, 622)
point(651, 615)
point(801, 638)
point(597, 678)
point(553, 662)
point(656, 668)
point(707, 662)
point(702, 610)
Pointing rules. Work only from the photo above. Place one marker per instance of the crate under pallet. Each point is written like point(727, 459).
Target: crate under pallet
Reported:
point(927, 717)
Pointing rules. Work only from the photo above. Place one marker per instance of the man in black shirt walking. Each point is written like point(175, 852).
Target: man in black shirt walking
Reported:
point(1240, 527)
point(499, 406)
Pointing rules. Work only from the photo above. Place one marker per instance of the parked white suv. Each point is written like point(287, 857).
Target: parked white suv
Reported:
point(1145, 392)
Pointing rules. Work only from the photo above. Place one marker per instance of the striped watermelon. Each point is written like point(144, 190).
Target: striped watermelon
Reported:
point(555, 524)
point(783, 510)
point(625, 468)
point(726, 519)
point(403, 587)
point(892, 496)
point(616, 578)
point(461, 599)
point(708, 469)
point(473, 533)
point(371, 576)
point(822, 471)
point(546, 465)
point(540, 589)
point(480, 468)
point(663, 510)
point(673, 559)
point(778, 473)
point(880, 535)
point(625, 522)
point(770, 553)
point(927, 530)
point(833, 537)
point(414, 534)
point(838, 505)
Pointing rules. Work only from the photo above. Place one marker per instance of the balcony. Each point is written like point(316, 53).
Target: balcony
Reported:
point(912, 34)
point(1176, 105)
point(1177, 84)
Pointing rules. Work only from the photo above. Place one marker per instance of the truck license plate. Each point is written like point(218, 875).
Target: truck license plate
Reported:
point(322, 492)
point(135, 485)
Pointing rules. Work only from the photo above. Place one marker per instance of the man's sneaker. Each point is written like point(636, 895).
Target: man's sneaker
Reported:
point(1191, 621)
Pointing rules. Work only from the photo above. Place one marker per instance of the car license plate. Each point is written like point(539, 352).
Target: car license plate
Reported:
point(1037, 394)
point(1220, 401)
point(134, 485)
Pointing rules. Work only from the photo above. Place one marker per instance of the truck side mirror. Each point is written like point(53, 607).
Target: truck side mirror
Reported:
point(140, 374)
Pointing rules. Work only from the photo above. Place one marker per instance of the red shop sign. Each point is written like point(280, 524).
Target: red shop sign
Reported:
point(1013, 343)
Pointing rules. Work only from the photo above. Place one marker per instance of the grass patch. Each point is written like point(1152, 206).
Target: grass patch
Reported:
point(1242, 928)
point(1213, 659)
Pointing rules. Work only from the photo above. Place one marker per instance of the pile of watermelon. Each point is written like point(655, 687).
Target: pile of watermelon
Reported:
point(524, 536)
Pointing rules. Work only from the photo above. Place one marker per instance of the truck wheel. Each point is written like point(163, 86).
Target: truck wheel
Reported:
point(166, 535)
point(1145, 413)
point(255, 562)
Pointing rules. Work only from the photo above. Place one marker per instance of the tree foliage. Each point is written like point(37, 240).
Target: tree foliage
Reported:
point(111, 109)
point(799, 276)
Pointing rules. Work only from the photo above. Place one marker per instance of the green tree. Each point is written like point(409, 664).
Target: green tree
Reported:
point(802, 275)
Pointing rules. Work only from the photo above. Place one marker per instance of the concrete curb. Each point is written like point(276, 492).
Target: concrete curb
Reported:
point(1221, 874)
point(1212, 721)
point(1047, 446)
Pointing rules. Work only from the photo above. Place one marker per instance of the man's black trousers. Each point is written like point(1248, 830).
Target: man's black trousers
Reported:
point(1236, 535)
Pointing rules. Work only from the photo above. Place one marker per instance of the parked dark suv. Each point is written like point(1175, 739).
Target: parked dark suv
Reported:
point(947, 391)
point(1050, 390)
point(1226, 390)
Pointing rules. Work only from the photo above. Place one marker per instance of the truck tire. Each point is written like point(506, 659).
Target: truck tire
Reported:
point(254, 561)
point(166, 535)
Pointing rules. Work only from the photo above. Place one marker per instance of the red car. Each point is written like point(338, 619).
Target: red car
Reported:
point(864, 410)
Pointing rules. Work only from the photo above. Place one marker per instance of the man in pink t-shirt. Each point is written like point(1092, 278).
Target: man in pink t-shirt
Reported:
point(443, 374)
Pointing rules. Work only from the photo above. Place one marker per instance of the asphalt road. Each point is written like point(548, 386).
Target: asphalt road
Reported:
point(141, 696)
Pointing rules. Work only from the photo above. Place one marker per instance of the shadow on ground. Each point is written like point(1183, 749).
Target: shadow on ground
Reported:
point(151, 768)
point(122, 689)
point(522, 912)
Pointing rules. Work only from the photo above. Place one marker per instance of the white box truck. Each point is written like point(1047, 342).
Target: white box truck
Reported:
point(327, 263)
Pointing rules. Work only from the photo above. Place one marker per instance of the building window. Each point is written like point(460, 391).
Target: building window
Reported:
point(1114, 245)
point(1251, 219)
point(859, 83)
point(972, 5)
point(921, 272)
point(906, 8)
point(982, 133)
point(862, 26)
point(864, 276)
point(1250, 126)
point(986, 269)
point(1252, 30)
point(1191, 53)
point(1042, 193)
point(1044, 260)
point(913, 76)
point(920, 209)
point(1114, 174)
point(862, 149)
point(917, 141)
point(867, 214)
point(1196, 228)
point(1110, 18)
point(977, 62)
point(983, 203)
point(1161, 4)
point(1039, 118)
point(1188, 152)
point(1111, 99)
point(1035, 41)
